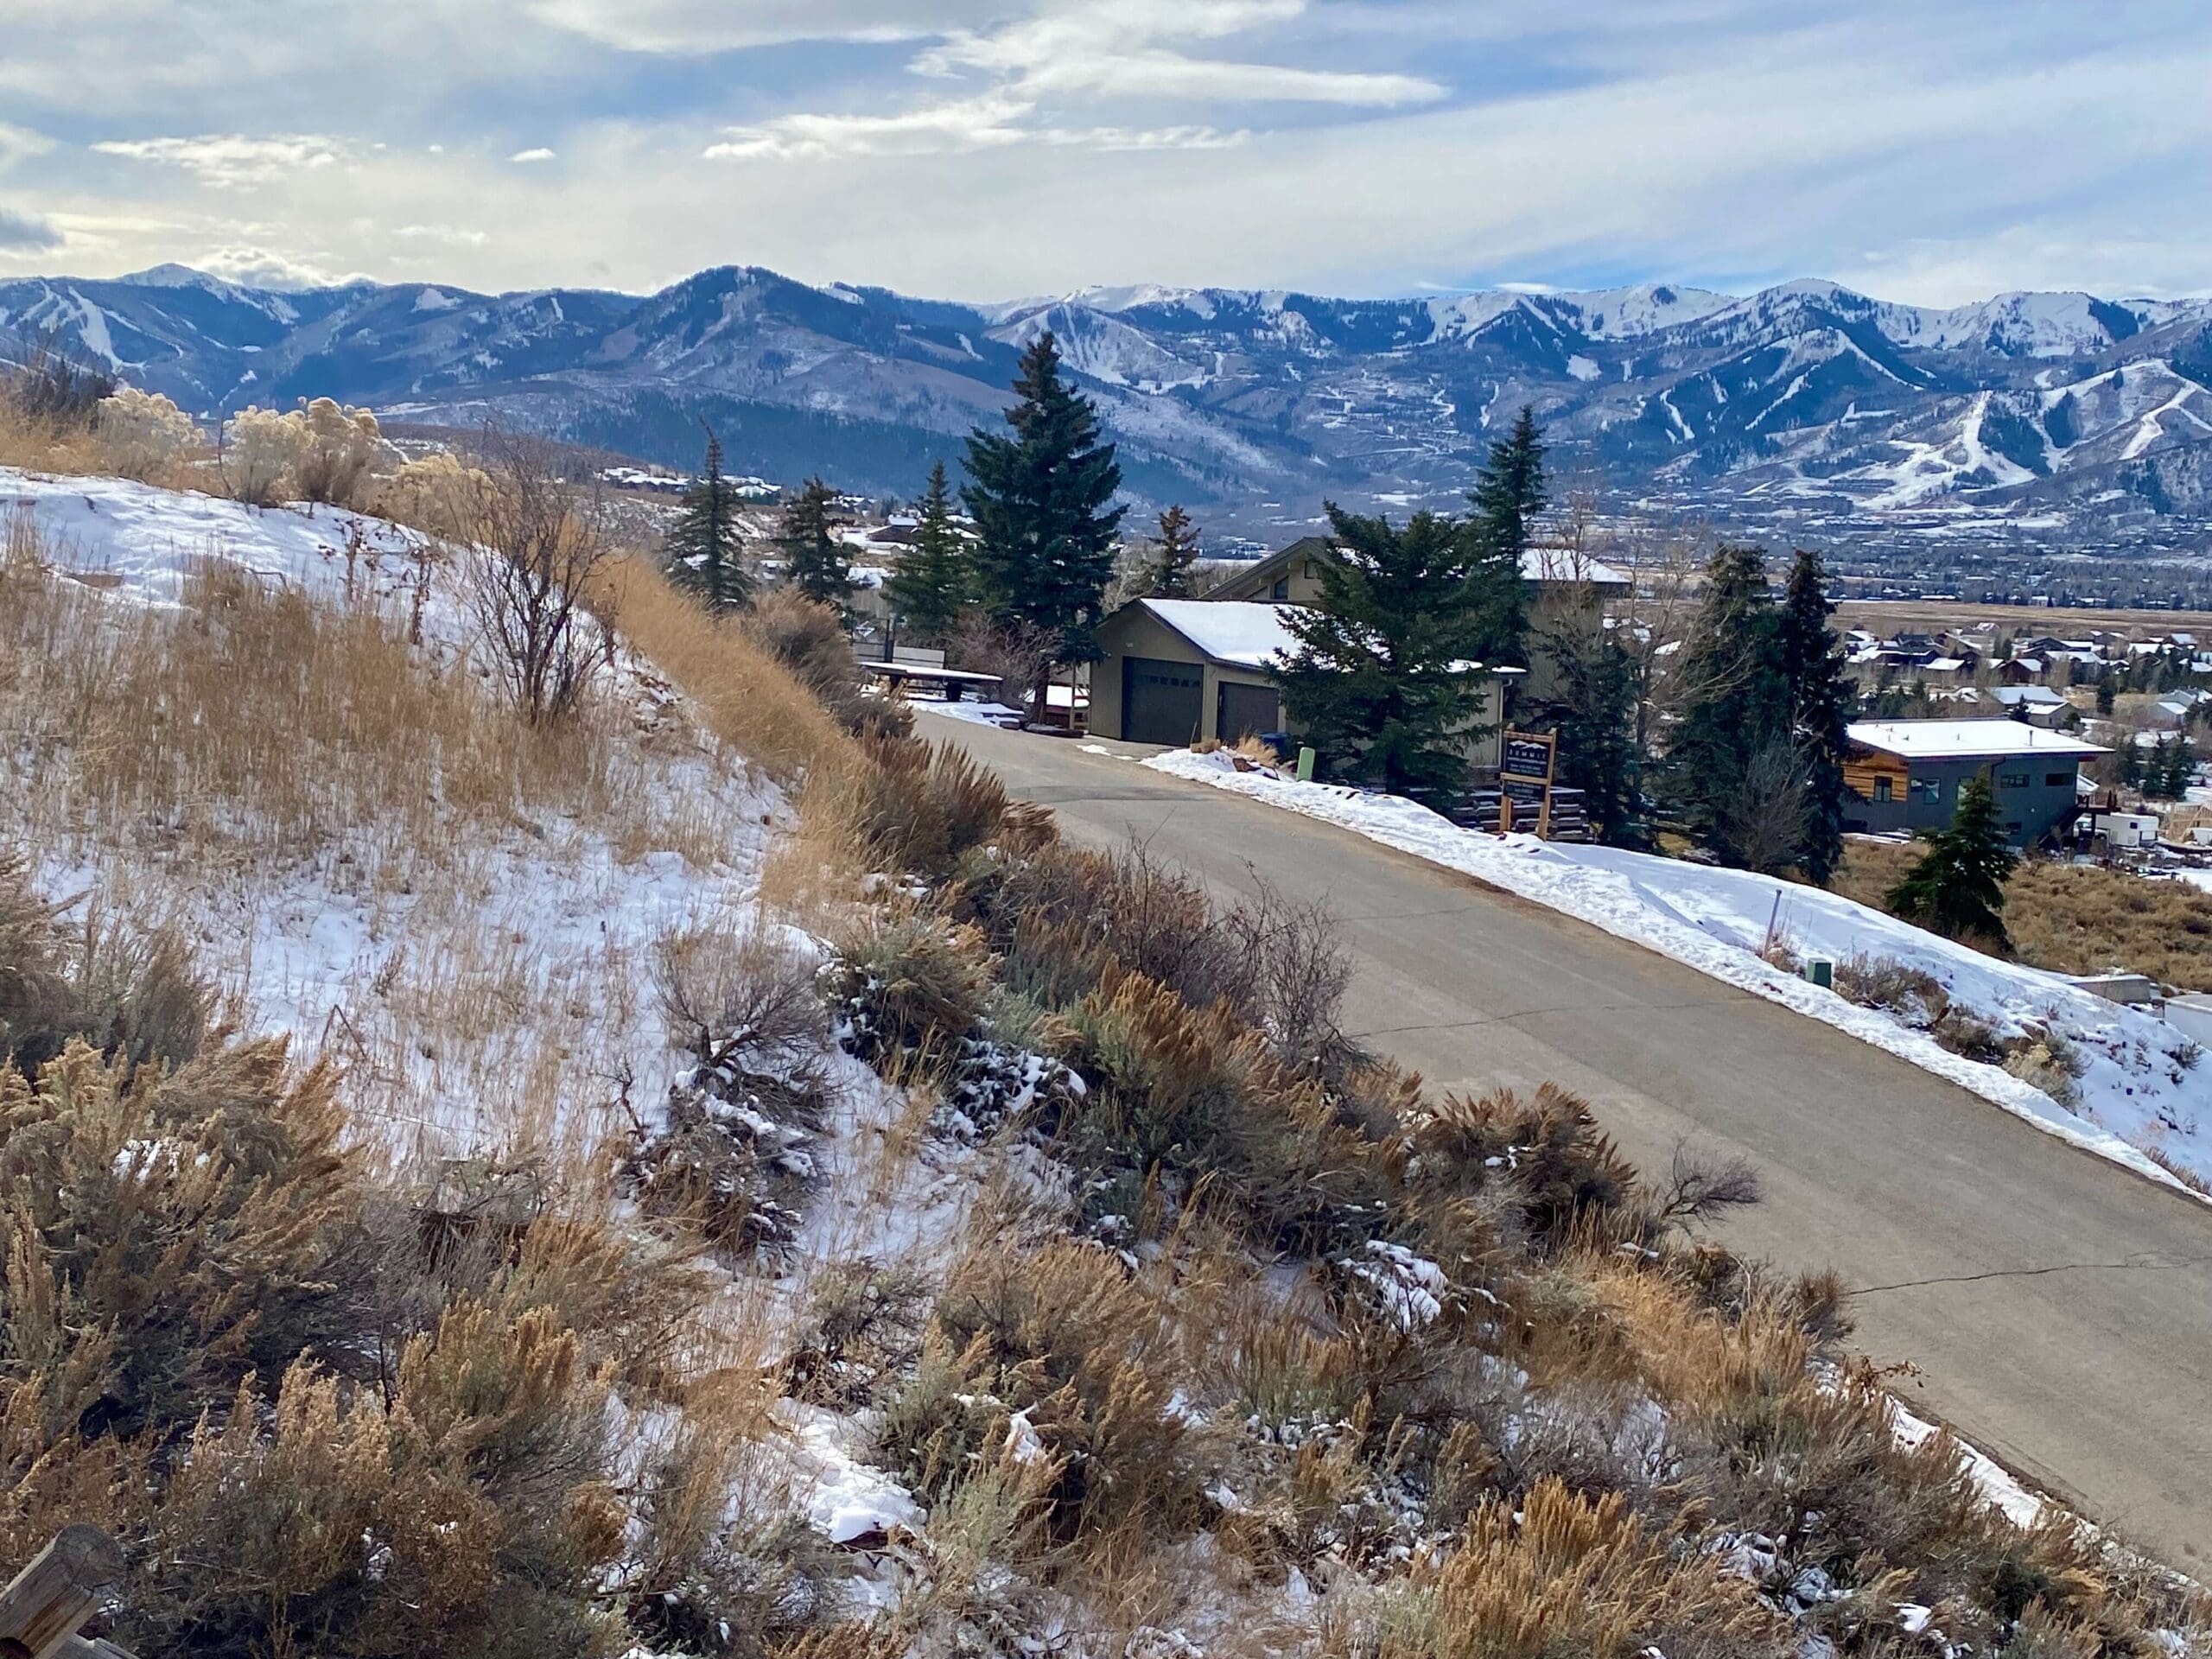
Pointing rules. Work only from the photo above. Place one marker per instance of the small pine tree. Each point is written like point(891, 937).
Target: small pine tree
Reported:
point(1378, 679)
point(935, 580)
point(2182, 766)
point(814, 558)
point(1168, 576)
point(704, 550)
point(1958, 886)
point(2104, 695)
point(1810, 659)
point(1735, 711)
point(1508, 492)
point(1045, 546)
point(1592, 712)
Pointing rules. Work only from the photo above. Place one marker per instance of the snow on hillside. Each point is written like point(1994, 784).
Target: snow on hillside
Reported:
point(535, 930)
point(2143, 1087)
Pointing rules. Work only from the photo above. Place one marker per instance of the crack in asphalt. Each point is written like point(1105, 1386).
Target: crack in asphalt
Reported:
point(2142, 1261)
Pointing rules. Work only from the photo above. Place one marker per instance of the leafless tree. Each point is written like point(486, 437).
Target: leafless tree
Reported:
point(536, 544)
point(1763, 818)
point(1019, 653)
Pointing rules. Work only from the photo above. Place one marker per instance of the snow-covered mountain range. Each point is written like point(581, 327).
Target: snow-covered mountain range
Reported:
point(1807, 396)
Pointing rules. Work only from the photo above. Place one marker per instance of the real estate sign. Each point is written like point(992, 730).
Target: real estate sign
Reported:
point(1525, 763)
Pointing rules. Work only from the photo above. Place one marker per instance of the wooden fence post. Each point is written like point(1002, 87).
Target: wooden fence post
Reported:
point(61, 1588)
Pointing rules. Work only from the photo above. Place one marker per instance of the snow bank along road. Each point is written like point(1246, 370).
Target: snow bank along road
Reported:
point(2060, 1308)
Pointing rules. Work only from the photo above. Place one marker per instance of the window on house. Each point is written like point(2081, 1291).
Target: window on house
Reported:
point(1281, 589)
point(1882, 790)
point(1927, 790)
point(2057, 779)
point(2011, 780)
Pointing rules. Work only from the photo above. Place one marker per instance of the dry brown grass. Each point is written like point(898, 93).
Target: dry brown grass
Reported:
point(743, 695)
point(261, 760)
point(2073, 919)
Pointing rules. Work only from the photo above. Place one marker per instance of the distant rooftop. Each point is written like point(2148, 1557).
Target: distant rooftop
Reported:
point(1967, 740)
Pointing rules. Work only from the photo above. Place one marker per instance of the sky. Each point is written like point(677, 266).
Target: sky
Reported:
point(1933, 151)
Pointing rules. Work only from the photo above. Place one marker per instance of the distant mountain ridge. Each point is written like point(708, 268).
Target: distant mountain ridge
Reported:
point(1806, 398)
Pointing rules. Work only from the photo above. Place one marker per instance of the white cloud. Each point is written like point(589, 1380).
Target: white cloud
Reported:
point(935, 128)
point(1110, 48)
point(19, 144)
point(529, 157)
point(444, 235)
point(233, 161)
point(674, 27)
point(266, 268)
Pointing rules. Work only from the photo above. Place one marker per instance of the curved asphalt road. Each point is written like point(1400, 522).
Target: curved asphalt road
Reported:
point(2060, 1309)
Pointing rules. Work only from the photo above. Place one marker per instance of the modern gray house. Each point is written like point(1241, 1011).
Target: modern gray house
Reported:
point(1906, 774)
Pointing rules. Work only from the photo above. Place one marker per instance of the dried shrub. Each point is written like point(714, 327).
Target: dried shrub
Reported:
point(733, 1150)
point(1566, 1180)
point(912, 984)
point(142, 433)
point(810, 640)
point(1054, 1356)
point(1553, 1574)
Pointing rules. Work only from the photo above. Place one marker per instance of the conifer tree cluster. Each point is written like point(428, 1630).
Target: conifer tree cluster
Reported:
point(704, 550)
point(814, 559)
point(1382, 680)
point(936, 578)
point(1958, 886)
point(1754, 768)
point(1040, 499)
point(1390, 676)
point(1168, 576)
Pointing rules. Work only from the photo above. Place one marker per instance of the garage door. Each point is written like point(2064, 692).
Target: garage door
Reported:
point(1160, 701)
point(1246, 709)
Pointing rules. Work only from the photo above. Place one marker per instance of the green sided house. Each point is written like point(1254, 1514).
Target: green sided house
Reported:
point(1176, 671)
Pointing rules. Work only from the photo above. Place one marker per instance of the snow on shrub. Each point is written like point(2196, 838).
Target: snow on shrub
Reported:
point(142, 432)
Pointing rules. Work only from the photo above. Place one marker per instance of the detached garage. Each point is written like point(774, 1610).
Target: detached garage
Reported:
point(1175, 671)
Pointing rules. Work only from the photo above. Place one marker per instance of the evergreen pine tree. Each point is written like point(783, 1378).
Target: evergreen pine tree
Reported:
point(1592, 713)
point(814, 558)
point(1168, 576)
point(2183, 765)
point(705, 551)
point(1508, 492)
point(2131, 763)
point(1038, 498)
point(1958, 886)
point(1735, 717)
point(1809, 658)
point(2105, 694)
point(1378, 679)
point(934, 582)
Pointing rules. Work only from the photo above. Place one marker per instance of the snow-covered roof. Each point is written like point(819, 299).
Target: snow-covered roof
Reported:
point(1944, 665)
point(2035, 694)
point(1565, 564)
point(1966, 739)
point(1240, 631)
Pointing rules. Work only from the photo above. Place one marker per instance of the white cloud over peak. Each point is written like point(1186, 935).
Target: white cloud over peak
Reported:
point(233, 161)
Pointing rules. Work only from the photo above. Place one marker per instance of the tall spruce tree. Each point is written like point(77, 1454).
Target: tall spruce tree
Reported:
point(935, 580)
point(1958, 886)
point(1810, 659)
point(1508, 492)
point(1379, 679)
point(1591, 711)
point(813, 556)
point(704, 550)
point(1045, 547)
point(1723, 756)
point(1168, 576)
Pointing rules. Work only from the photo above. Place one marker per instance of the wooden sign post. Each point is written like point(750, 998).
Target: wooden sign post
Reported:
point(1526, 764)
point(61, 1588)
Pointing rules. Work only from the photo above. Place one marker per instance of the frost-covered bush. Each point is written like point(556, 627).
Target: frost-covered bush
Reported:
point(322, 451)
point(434, 494)
point(336, 451)
point(260, 447)
point(143, 433)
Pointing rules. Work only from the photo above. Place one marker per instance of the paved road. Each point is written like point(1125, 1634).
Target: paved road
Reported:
point(2060, 1308)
